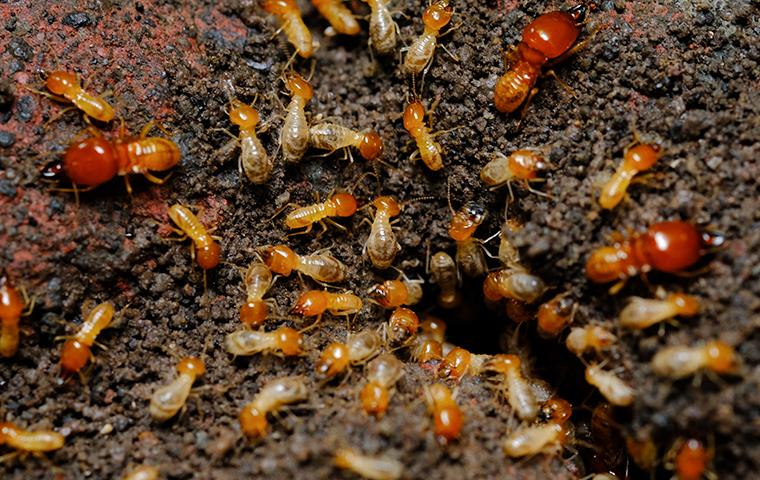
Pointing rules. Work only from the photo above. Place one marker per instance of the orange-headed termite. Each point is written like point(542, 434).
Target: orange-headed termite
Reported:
point(254, 161)
point(336, 357)
point(556, 314)
point(76, 350)
point(460, 362)
point(11, 308)
point(294, 136)
point(582, 339)
point(681, 361)
point(26, 441)
point(546, 38)
point(319, 266)
point(636, 159)
point(470, 255)
point(691, 460)
point(513, 385)
point(169, 399)
point(289, 16)
point(513, 283)
point(339, 205)
point(382, 27)
point(67, 87)
point(447, 416)
point(258, 281)
point(283, 341)
point(371, 468)
point(616, 391)
point(401, 327)
point(428, 149)
point(395, 293)
point(339, 16)
point(332, 137)
point(314, 303)
point(520, 166)
point(641, 313)
point(206, 250)
point(444, 273)
point(271, 398)
point(381, 245)
point(557, 410)
point(382, 374)
point(420, 54)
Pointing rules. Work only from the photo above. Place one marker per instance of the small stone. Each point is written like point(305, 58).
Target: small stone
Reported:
point(20, 49)
point(77, 20)
point(7, 139)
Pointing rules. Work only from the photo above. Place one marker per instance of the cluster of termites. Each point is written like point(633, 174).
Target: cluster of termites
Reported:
point(541, 419)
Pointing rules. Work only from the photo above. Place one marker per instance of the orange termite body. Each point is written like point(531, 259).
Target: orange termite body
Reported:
point(383, 372)
point(465, 221)
point(68, 86)
point(25, 441)
point(340, 17)
point(314, 303)
point(429, 150)
point(95, 160)
point(636, 159)
point(207, 251)
point(666, 246)
point(447, 416)
point(555, 315)
point(76, 350)
point(402, 326)
point(11, 306)
point(394, 293)
point(339, 205)
point(691, 460)
point(546, 38)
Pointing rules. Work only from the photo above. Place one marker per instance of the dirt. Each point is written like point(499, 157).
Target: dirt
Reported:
point(683, 75)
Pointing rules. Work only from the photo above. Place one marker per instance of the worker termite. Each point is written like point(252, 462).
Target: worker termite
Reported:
point(254, 160)
point(257, 281)
point(641, 313)
point(26, 441)
point(206, 250)
point(512, 384)
point(381, 244)
point(271, 398)
point(382, 374)
point(444, 273)
point(402, 326)
point(283, 341)
point(691, 460)
point(76, 350)
point(447, 416)
point(470, 254)
point(528, 440)
point(11, 311)
point(666, 246)
point(66, 87)
point(382, 27)
point(549, 37)
point(582, 339)
point(95, 160)
point(616, 391)
point(459, 362)
point(339, 205)
point(428, 149)
point(170, 399)
point(336, 357)
point(556, 314)
point(640, 157)
point(294, 136)
point(508, 254)
point(557, 410)
point(681, 361)
point(333, 137)
point(341, 18)
point(428, 346)
point(143, 472)
point(420, 54)
point(372, 468)
point(322, 267)
point(314, 303)
point(521, 166)
point(395, 293)
point(289, 16)
point(513, 283)
point(606, 435)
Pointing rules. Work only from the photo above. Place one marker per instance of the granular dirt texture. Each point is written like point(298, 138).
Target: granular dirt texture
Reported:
point(683, 74)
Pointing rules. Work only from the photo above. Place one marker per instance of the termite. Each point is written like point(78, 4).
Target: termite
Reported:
point(95, 160)
point(556, 314)
point(521, 166)
point(395, 293)
point(549, 37)
point(206, 250)
point(681, 361)
point(382, 27)
point(314, 303)
point(66, 87)
point(641, 313)
point(382, 374)
point(582, 339)
point(341, 18)
point(283, 341)
point(530, 440)
point(339, 205)
point(557, 410)
point(606, 434)
point(294, 136)
point(372, 468)
point(76, 350)
point(401, 327)
point(420, 54)
point(513, 283)
point(470, 256)
point(11, 310)
point(447, 416)
point(429, 343)
point(444, 273)
point(691, 460)
point(289, 16)
point(509, 255)
point(322, 267)
point(143, 472)
point(428, 149)
point(640, 157)
point(26, 441)
point(643, 451)
point(271, 398)
point(170, 399)
point(616, 391)
point(460, 362)
point(336, 357)
point(254, 160)
point(257, 281)
point(514, 385)
point(668, 247)
point(333, 137)
point(381, 245)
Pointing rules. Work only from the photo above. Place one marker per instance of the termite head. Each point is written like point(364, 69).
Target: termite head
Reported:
point(7, 429)
point(334, 360)
point(280, 259)
point(311, 303)
point(61, 82)
point(642, 156)
point(721, 357)
point(371, 146)
point(345, 204)
point(688, 305)
point(11, 304)
point(254, 313)
point(191, 366)
point(604, 265)
point(289, 341)
point(388, 205)
point(437, 15)
point(253, 423)
point(464, 222)
point(74, 356)
point(297, 85)
point(557, 410)
point(279, 7)
point(244, 116)
point(208, 255)
point(90, 162)
point(414, 117)
point(504, 363)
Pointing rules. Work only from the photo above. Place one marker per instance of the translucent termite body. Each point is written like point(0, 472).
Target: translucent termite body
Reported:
point(428, 149)
point(143, 472)
point(402, 326)
point(382, 27)
point(272, 397)
point(682, 361)
point(26, 441)
point(11, 308)
point(333, 137)
point(321, 267)
point(339, 205)
point(444, 273)
point(421, 51)
point(616, 391)
point(513, 283)
point(513, 385)
point(381, 245)
point(395, 293)
point(447, 416)
point(284, 341)
point(255, 162)
point(520, 165)
point(382, 374)
point(336, 357)
point(258, 281)
point(289, 16)
point(207, 251)
point(76, 350)
point(636, 159)
point(168, 400)
point(294, 136)
point(372, 468)
point(534, 439)
point(340, 17)
point(582, 339)
point(641, 313)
